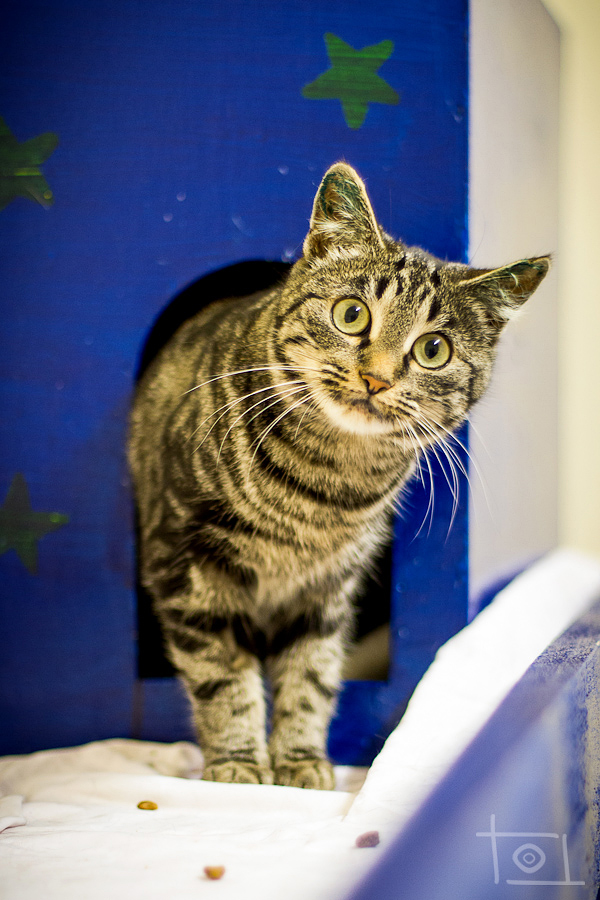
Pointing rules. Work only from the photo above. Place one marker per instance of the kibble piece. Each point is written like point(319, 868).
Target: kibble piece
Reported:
point(368, 839)
point(147, 804)
point(214, 872)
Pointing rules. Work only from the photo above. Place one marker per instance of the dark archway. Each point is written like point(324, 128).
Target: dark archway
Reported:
point(238, 280)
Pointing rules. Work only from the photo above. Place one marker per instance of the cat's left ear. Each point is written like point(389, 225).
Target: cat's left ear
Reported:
point(505, 290)
point(342, 218)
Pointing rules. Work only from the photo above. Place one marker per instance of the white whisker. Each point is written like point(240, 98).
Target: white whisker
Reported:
point(452, 437)
point(235, 402)
point(281, 396)
point(452, 484)
point(311, 405)
point(272, 425)
point(261, 411)
point(406, 433)
point(274, 368)
point(431, 498)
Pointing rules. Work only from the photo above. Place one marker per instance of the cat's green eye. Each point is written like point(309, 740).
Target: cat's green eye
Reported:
point(432, 351)
point(351, 316)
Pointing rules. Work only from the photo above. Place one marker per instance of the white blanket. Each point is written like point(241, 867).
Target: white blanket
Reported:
point(72, 830)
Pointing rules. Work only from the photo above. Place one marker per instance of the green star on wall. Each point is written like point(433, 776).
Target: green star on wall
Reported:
point(20, 174)
point(353, 79)
point(21, 528)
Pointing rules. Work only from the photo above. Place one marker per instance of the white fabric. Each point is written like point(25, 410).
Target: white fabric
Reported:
point(71, 828)
point(471, 675)
point(11, 811)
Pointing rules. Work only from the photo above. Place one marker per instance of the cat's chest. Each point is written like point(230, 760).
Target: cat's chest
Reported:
point(279, 584)
point(303, 539)
point(283, 570)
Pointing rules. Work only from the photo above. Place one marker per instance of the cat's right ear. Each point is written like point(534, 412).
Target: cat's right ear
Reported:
point(342, 221)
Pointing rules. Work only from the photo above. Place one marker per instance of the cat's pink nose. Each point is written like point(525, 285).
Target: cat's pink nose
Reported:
point(374, 385)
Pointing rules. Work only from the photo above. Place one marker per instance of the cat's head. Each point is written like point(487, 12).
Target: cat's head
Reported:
point(387, 335)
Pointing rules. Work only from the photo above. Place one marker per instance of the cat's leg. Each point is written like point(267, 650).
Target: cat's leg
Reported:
point(305, 675)
point(225, 687)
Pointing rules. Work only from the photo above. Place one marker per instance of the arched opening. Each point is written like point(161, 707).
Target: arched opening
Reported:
point(369, 656)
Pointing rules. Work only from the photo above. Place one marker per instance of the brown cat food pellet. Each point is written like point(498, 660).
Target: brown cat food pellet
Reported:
point(147, 804)
point(368, 839)
point(214, 872)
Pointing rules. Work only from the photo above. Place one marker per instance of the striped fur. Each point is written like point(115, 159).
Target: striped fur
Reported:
point(269, 450)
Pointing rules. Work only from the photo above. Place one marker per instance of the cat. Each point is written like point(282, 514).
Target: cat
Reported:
point(270, 440)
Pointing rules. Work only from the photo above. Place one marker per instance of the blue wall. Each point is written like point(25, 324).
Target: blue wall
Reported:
point(184, 143)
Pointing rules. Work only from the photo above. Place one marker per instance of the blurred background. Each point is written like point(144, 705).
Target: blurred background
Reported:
point(534, 187)
point(579, 286)
point(168, 139)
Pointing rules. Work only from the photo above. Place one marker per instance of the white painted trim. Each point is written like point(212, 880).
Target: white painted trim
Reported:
point(513, 213)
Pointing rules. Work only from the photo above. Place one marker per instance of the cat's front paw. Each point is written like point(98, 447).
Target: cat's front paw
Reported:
point(306, 773)
point(234, 772)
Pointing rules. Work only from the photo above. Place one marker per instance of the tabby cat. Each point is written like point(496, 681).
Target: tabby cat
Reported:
point(270, 440)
